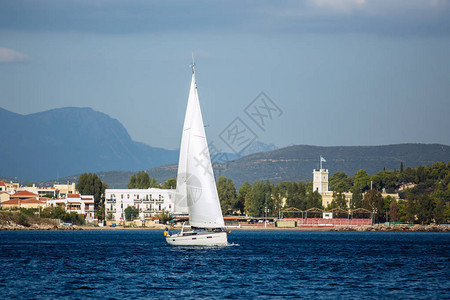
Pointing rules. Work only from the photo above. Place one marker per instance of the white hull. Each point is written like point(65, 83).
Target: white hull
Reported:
point(204, 239)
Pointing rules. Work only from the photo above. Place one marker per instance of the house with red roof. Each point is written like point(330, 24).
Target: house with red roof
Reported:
point(23, 203)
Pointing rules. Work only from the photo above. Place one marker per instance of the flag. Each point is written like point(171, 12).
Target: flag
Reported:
point(323, 159)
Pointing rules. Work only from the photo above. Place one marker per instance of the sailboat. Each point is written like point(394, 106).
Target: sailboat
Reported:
point(196, 188)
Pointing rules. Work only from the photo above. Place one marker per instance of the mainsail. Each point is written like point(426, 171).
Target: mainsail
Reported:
point(196, 187)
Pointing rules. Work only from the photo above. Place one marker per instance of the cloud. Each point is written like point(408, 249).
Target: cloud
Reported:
point(9, 55)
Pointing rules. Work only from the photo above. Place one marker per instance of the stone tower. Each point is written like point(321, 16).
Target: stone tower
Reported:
point(320, 180)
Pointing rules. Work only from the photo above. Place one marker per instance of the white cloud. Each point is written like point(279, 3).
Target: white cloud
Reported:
point(9, 55)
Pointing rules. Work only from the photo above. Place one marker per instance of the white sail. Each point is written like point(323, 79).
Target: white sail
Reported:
point(202, 198)
point(181, 193)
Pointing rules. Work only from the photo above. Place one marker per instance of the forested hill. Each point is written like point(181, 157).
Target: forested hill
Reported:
point(296, 163)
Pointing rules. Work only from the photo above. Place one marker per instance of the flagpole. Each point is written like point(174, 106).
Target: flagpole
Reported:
point(320, 162)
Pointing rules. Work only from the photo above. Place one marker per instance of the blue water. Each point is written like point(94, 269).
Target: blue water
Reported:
point(260, 264)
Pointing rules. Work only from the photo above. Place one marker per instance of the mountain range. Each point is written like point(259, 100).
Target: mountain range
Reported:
point(59, 144)
point(296, 163)
point(53, 144)
point(65, 141)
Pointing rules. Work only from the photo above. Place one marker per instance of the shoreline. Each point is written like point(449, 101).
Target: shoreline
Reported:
point(415, 228)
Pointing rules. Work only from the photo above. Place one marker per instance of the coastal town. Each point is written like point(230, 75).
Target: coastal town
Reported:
point(151, 207)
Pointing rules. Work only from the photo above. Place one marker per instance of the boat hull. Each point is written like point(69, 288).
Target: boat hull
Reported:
point(205, 239)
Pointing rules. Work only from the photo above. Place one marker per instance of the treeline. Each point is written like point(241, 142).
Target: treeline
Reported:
point(424, 192)
point(265, 199)
point(424, 197)
point(141, 180)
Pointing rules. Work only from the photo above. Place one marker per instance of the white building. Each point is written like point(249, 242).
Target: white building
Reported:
point(320, 180)
point(80, 204)
point(149, 202)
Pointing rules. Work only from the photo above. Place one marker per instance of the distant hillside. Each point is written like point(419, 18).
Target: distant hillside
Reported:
point(297, 162)
point(61, 142)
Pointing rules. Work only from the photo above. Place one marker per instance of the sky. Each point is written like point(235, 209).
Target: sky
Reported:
point(335, 72)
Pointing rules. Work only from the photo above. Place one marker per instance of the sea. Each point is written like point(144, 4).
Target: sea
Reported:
point(138, 264)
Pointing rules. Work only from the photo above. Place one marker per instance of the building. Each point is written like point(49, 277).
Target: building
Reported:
point(23, 203)
point(4, 196)
point(23, 199)
point(76, 203)
point(149, 202)
point(41, 191)
point(2, 186)
point(10, 187)
point(65, 189)
point(320, 184)
point(320, 180)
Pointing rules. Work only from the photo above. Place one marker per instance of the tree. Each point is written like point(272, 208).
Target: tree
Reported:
point(361, 181)
point(313, 200)
point(401, 167)
point(425, 209)
point(373, 201)
point(338, 201)
point(164, 217)
point(258, 199)
point(140, 180)
point(242, 194)
point(248, 204)
point(90, 184)
point(394, 211)
point(170, 184)
point(227, 194)
point(439, 212)
point(339, 182)
point(295, 195)
point(357, 197)
point(131, 213)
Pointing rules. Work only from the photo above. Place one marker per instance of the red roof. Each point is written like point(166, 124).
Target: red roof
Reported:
point(32, 200)
point(2, 183)
point(11, 202)
point(22, 194)
point(73, 195)
point(22, 201)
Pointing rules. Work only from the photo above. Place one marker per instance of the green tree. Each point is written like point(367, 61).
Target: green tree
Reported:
point(164, 217)
point(425, 209)
point(340, 182)
point(141, 180)
point(361, 181)
point(245, 189)
point(394, 213)
point(439, 212)
point(313, 200)
point(90, 184)
point(373, 201)
point(131, 213)
point(357, 197)
point(227, 194)
point(258, 199)
point(338, 201)
point(296, 195)
point(170, 184)
point(249, 203)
